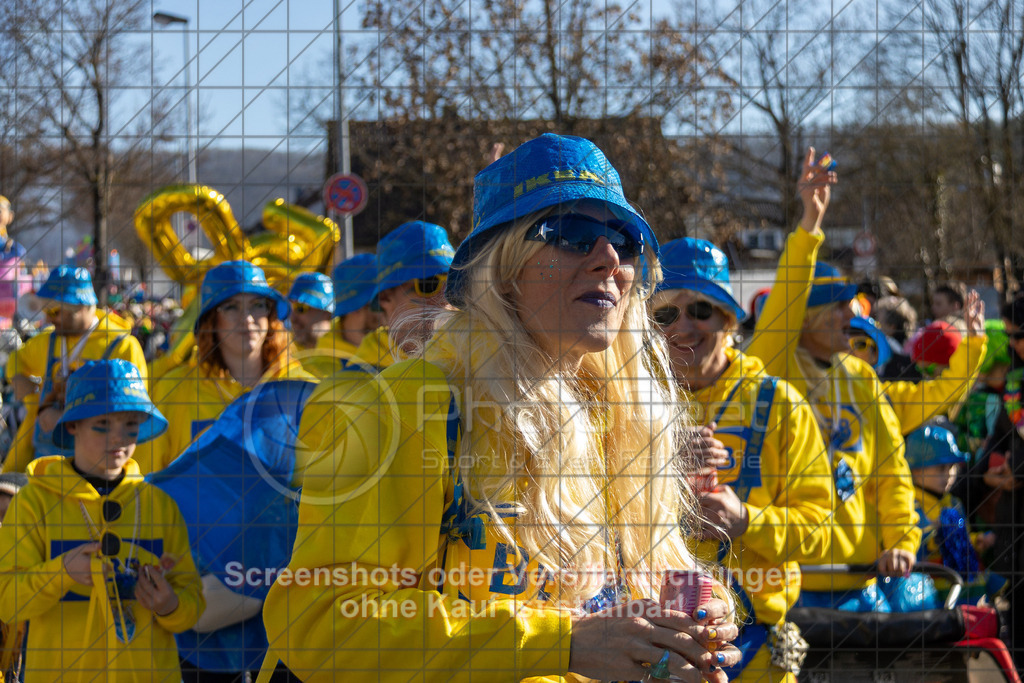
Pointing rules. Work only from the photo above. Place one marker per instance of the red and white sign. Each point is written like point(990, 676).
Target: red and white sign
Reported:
point(346, 194)
point(865, 244)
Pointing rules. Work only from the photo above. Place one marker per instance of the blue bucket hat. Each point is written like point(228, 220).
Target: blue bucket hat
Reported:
point(869, 327)
point(354, 281)
point(410, 251)
point(829, 286)
point(69, 285)
point(546, 171)
point(315, 290)
point(932, 445)
point(227, 279)
point(699, 266)
point(101, 387)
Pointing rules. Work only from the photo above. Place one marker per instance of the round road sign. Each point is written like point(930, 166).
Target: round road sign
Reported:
point(345, 193)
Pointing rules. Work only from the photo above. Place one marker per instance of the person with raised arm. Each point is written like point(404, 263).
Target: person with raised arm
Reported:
point(803, 337)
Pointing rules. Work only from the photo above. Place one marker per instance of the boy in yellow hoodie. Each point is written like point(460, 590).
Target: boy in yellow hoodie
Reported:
point(96, 560)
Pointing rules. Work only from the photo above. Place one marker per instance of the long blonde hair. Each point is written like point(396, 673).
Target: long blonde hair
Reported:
point(584, 458)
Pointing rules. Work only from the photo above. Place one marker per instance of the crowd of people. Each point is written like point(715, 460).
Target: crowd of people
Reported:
point(509, 446)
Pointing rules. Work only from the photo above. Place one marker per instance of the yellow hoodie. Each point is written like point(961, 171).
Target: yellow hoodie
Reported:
point(31, 361)
point(791, 499)
point(359, 599)
point(875, 495)
point(71, 631)
point(191, 399)
point(917, 402)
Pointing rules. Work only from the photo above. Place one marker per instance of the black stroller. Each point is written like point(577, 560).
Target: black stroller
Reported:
point(955, 644)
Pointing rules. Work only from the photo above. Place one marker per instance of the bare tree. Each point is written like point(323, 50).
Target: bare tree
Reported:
point(951, 88)
point(76, 69)
point(980, 48)
point(447, 79)
point(791, 66)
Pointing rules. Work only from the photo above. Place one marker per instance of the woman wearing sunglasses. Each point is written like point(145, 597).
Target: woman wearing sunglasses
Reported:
point(761, 440)
point(516, 486)
point(411, 268)
point(802, 336)
point(95, 559)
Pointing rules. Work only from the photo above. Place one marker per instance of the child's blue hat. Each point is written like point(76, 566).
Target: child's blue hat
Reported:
point(932, 445)
point(315, 290)
point(699, 266)
point(830, 286)
point(101, 387)
point(237, 277)
point(354, 281)
point(547, 171)
point(69, 285)
point(869, 327)
point(411, 251)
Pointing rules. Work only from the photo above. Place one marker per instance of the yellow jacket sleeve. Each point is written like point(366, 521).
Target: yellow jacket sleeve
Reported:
point(30, 584)
point(917, 402)
point(22, 451)
point(183, 577)
point(793, 527)
point(380, 506)
point(777, 333)
point(894, 488)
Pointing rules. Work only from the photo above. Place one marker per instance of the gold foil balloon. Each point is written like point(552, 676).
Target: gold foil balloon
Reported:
point(153, 224)
point(315, 235)
point(295, 240)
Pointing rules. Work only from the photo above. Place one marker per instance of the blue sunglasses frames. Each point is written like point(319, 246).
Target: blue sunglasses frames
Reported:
point(579, 233)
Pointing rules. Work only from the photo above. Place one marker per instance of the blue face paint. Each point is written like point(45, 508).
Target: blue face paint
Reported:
point(99, 430)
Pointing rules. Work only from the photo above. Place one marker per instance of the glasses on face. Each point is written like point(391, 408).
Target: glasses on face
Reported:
point(110, 543)
point(1015, 335)
point(429, 287)
point(578, 233)
point(698, 311)
point(234, 309)
point(861, 344)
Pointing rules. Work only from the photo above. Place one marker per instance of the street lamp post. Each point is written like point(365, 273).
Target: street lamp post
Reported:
point(166, 19)
point(345, 247)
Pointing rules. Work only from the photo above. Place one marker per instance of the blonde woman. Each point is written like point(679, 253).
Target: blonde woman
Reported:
point(503, 508)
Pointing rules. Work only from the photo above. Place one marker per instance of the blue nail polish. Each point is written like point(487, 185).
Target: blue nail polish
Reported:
point(720, 658)
point(702, 613)
point(713, 668)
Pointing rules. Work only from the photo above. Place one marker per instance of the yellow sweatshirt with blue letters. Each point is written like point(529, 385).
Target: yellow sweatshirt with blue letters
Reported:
point(875, 499)
point(44, 522)
point(790, 496)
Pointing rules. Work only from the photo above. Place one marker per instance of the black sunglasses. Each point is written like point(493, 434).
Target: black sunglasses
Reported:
point(110, 543)
point(1016, 335)
point(579, 233)
point(695, 310)
point(429, 287)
